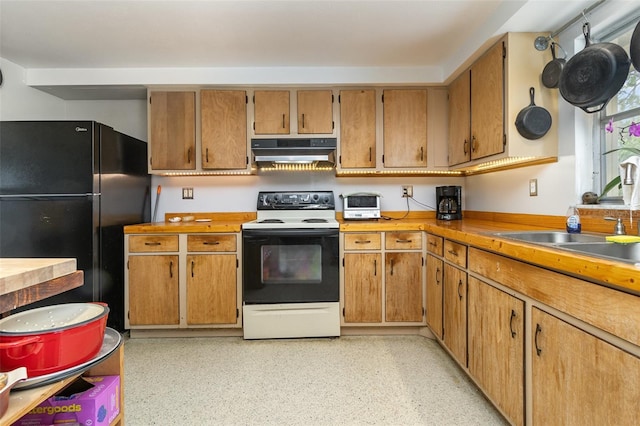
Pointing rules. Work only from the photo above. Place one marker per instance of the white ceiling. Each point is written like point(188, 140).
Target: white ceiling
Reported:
point(81, 35)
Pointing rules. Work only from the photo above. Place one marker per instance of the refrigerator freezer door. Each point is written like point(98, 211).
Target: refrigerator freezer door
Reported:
point(48, 157)
point(53, 227)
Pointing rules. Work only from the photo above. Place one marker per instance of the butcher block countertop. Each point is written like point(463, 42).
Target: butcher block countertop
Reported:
point(474, 230)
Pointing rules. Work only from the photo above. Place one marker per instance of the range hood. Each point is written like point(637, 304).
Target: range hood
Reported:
point(309, 154)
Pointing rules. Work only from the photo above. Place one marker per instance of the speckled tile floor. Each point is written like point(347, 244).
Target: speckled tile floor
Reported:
point(351, 380)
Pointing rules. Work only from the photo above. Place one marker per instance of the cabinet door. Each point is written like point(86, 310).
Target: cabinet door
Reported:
point(358, 128)
point(405, 128)
point(223, 116)
point(211, 289)
point(496, 347)
point(487, 104)
point(455, 312)
point(153, 290)
point(172, 126)
point(434, 294)
point(271, 112)
point(315, 111)
point(403, 287)
point(579, 379)
point(362, 287)
point(460, 119)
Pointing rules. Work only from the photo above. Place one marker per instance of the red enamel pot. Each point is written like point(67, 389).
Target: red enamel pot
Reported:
point(52, 338)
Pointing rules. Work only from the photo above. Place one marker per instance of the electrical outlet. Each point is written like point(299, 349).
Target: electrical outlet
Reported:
point(407, 191)
point(533, 187)
point(187, 193)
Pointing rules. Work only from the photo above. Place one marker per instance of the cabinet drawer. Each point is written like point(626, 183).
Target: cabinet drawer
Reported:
point(434, 244)
point(403, 240)
point(152, 243)
point(368, 241)
point(455, 253)
point(211, 242)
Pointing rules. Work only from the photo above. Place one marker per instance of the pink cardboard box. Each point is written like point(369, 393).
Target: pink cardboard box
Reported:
point(88, 401)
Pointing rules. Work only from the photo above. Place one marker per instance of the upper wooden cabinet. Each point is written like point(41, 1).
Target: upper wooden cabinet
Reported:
point(487, 103)
point(405, 128)
point(460, 119)
point(172, 130)
point(357, 128)
point(485, 100)
point(315, 112)
point(271, 112)
point(223, 118)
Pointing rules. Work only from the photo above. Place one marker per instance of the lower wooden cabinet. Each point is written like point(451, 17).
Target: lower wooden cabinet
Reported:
point(383, 278)
point(455, 312)
point(363, 287)
point(182, 281)
point(153, 290)
point(579, 379)
point(435, 269)
point(211, 289)
point(496, 347)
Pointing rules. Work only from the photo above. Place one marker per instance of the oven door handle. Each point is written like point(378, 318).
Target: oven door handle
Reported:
point(306, 232)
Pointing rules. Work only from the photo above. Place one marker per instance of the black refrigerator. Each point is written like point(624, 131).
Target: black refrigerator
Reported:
point(67, 188)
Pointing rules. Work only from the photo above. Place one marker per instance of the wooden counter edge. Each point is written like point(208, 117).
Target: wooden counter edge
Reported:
point(18, 298)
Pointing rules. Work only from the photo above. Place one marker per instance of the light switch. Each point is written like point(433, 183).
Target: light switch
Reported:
point(533, 187)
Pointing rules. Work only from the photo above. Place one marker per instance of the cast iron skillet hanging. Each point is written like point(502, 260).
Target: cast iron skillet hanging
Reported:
point(533, 122)
point(634, 48)
point(552, 71)
point(594, 75)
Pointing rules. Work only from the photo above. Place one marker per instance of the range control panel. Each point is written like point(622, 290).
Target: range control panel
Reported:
point(288, 200)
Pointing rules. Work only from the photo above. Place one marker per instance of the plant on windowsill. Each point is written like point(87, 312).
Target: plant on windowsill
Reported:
point(633, 131)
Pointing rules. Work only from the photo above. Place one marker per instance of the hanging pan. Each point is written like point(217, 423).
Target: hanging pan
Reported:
point(533, 122)
point(594, 75)
point(634, 48)
point(552, 71)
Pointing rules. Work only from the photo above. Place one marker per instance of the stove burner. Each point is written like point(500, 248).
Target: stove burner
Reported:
point(315, 220)
point(271, 221)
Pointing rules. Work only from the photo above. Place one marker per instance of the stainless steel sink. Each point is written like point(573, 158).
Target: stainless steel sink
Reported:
point(615, 251)
point(550, 237)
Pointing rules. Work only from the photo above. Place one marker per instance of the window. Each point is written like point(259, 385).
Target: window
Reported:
point(614, 121)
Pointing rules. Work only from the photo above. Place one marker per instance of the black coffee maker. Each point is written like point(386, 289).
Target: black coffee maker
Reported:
point(449, 202)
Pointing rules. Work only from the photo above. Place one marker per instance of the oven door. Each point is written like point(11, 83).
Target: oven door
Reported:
point(290, 266)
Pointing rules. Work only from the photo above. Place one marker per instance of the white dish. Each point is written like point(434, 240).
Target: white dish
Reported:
point(175, 219)
point(112, 339)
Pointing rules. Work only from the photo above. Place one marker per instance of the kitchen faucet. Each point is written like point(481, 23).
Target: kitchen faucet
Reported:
point(619, 228)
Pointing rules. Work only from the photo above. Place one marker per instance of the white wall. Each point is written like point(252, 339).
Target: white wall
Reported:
point(21, 102)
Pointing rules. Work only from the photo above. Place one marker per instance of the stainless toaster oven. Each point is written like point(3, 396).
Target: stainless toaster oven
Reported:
point(362, 205)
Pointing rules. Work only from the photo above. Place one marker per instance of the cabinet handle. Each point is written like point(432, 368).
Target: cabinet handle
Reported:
point(189, 156)
point(459, 286)
point(207, 157)
point(193, 265)
point(363, 241)
point(375, 267)
point(513, 315)
point(369, 154)
point(391, 266)
point(403, 241)
point(283, 121)
point(171, 269)
point(453, 253)
point(535, 339)
point(465, 145)
point(152, 243)
point(211, 243)
point(474, 143)
point(303, 120)
point(421, 153)
point(437, 276)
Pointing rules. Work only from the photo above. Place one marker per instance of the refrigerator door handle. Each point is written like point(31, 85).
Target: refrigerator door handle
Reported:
point(31, 196)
